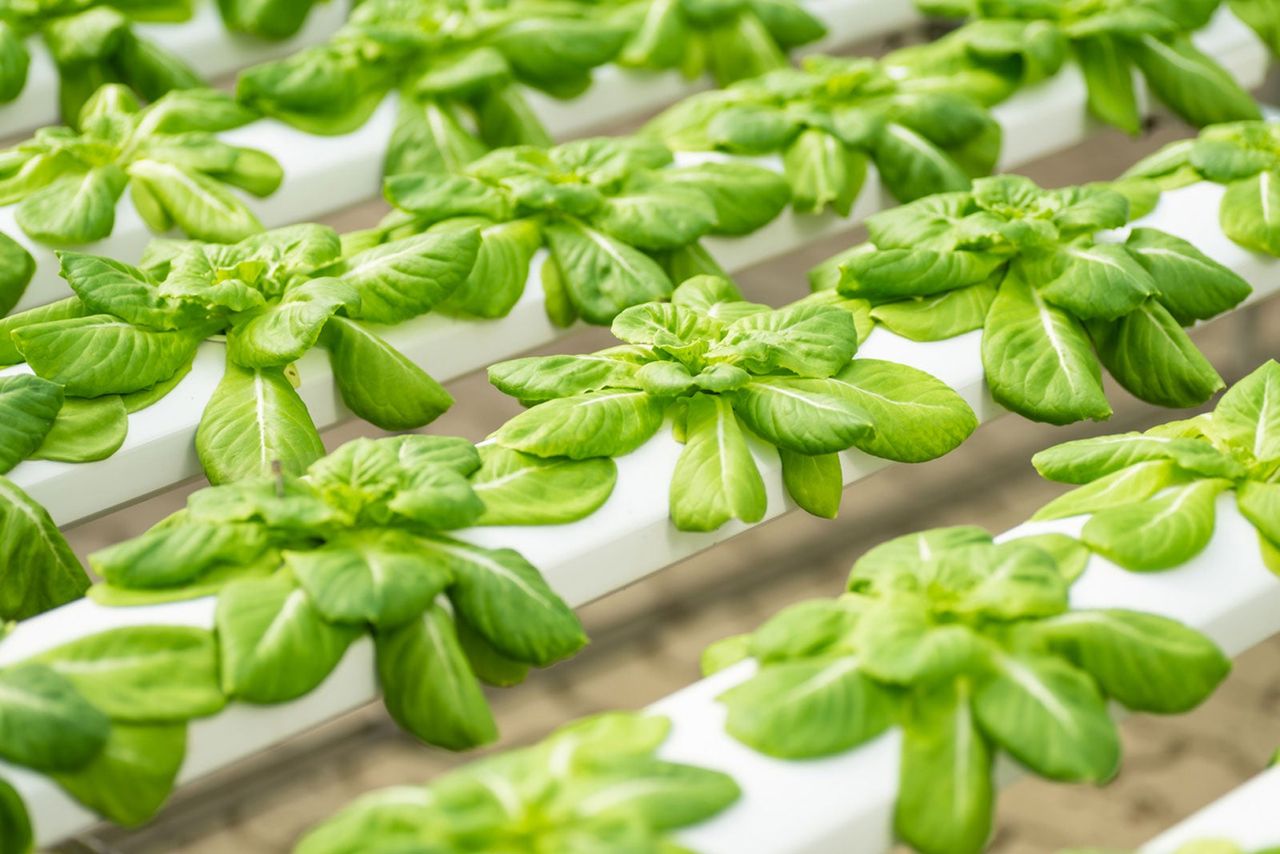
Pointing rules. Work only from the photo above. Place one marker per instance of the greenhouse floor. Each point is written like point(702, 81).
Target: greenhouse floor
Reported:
point(647, 639)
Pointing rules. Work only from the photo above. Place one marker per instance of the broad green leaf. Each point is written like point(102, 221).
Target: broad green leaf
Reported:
point(45, 724)
point(1148, 336)
point(823, 171)
point(889, 273)
point(208, 584)
point(98, 355)
point(274, 645)
point(428, 686)
point(808, 416)
point(1071, 555)
point(1108, 73)
point(745, 197)
point(916, 416)
point(675, 328)
point(912, 167)
point(282, 332)
point(137, 401)
point(502, 268)
point(1084, 460)
point(202, 207)
point(749, 128)
point(899, 643)
point(29, 407)
point(378, 382)
point(946, 793)
point(1146, 662)
point(809, 629)
point(85, 430)
point(16, 834)
point(663, 795)
point(804, 709)
point(74, 209)
point(490, 666)
point(369, 576)
point(1248, 415)
point(143, 674)
point(910, 557)
point(1160, 532)
point(1263, 16)
point(655, 216)
point(14, 62)
point(1260, 504)
point(714, 296)
point(1038, 359)
point(174, 554)
point(280, 504)
point(814, 482)
point(112, 287)
point(601, 274)
point(1050, 717)
point(1191, 83)
point(521, 489)
point(724, 653)
point(40, 570)
point(593, 424)
point(16, 269)
point(934, 318)
point(438, 195)
point(548, 377)
point(504, 598)
point(715, 478)
point(1128, 485)
point(1014, 580)
point(1250, 212)
point(428, 137)
point(808, 340)
point(408, 277)
point(133, 775)
point(1189, 283)
point(1102, 281)
point(254, 421)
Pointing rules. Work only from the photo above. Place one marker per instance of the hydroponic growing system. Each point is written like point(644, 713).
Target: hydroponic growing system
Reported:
point(172, 310)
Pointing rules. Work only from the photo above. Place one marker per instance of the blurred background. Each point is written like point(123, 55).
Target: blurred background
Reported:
point(646, 640)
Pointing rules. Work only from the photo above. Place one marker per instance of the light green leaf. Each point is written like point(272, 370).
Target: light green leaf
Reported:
point(656, 216)
point(1160, 532)
point(899, 643)
point(1128, 485)
point(170, 555)
point(910, 557)
point(1102, 281)
point(547, 377)
point(744, 196)
point(1263, 16)
point(202, 207)
point(29, 407)
point(74, 209)
point(804, 709)
point(490, 666)
point(40, 571)
point(1084, 460)
point(428, 137)
point(1071, 555)
point(662, 795)
point(16, 269)
point(808, 340)
point(1108, 73)
point(143, 674)
point(601, 274)
point(15, 824)
point(369, 576)
point(504, 598)
point(715, 478)
point(274, 645)
point(45, 724)
point(934, 318)
point(133, 775)
point(1189, 283)
point(1038, 359)
point(1250, 212)
point(254, 420)
point(917, 417)
point(99, 355)
point(521, 489)
point(497, 281)
point(1148, 336)
point(112, 287)
point(946, 794)
point(912, 167)
point(814, 482)
point(1191, 83)
point(890, 273)
point(400, 280)
point(378, 382)
point(437, 195)
point(594, 424)
point(282, 332)
point(1260, 504)
point(136, 401)
point(1146, 662)
point(1248, 415)
point(823, 171)
point(428, 686)
point(1050, 717)
point(808, 416)
point(85, 430)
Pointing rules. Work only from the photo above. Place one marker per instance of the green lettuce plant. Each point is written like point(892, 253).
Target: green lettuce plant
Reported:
point(66, 183)
point(1053, 293)
point(1109, 40)
point(621, 222)
point(732, 40)
point(105, 718)
point(727, 373)
point(456, 66)
point(1151, 497)
point(129, 335)
point(360, 545)
point(831, 117)
point(16, 269)
point(92, 43)
point(38, 570)
point(971, 647)
point(593, 785)
point(1243, 156)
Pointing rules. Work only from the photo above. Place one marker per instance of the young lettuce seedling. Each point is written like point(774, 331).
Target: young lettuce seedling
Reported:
point(1107, 39)
point(130, 335)
point(726, 371)
point(1151, 496)
point(621, 222)
point(1243, 156)
point(92, 43)
point(1053, 294)
point(359, 545)
point(831, 117)
point(456, 66)
point(730, 40)
point(970, 646)
point(593, 785)
point(66, 183)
